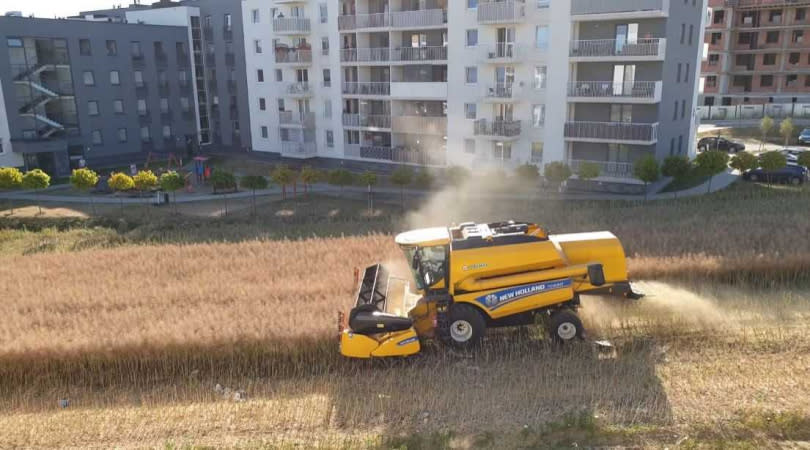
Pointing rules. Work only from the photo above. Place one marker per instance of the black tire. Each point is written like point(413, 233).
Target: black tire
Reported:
point(467, 326)
point(795, 181)
point(564, 326)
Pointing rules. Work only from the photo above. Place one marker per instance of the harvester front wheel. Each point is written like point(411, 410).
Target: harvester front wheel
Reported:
point(565, 326)
point(466, 327)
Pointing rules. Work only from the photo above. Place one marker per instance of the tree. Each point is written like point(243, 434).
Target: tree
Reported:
point(340, 178)
point(557, 172)
point(121, 182)
point(282, 176)
point(711, 163)
point(765, 126)
point(145, 181)
point(10, 178)
point(36, 180)
point(457, 175)
point(402, 176)
point(744, 161)
point(588, 171)
point(770, 162)
point(787, 130)
point(646, 169)
point(369, 178)
point(172, 181)
point(677, 167)
point(254, 182)
point(222, 179)
point(423, 179)
point(309, 176)
point(84, 180)
point(804, 159)
point(528, 173)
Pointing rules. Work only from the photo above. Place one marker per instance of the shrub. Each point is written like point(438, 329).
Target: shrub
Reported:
point(772, 161)
point(309, 176)
point(10, 178)
point(283, 176)
point(120, 182)
point(676, 167)
point(340, 178)
point(457, 175)
point(646, 169)
point(787, 130)
point(711, 163)
point(744, 161)
point(36, 180)
point(172, 182)
point(145, 180)
point(557, 172)
point(804, 159)
point(529, 173)
point(588, 171)
point(423, 179)
point(254, 182)
point(402, 176)
point(223, 179)
point(84, 180)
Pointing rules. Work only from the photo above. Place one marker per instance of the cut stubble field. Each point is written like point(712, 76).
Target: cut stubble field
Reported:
point(136, 337)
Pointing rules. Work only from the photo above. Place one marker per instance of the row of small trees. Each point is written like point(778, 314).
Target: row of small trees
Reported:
point(12, 178)
point(786, 129)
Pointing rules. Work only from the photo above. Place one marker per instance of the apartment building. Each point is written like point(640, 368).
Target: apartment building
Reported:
point(476, 83)
point(102, 92)
point(758, 53)
point(215, 35)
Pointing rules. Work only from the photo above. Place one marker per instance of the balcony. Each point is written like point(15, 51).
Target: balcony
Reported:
point(293, 56)
point(298, 149)
point(293, 119)
point(647, 49)
point(423, 18)
point(763, 3)
point(373, 54)
point(367, 88)
point(403, 155)
point(502, 52)
point(612, 132)
point(500, 129)
point(291, 25)
point(609, 169)
point(407, 90)
point(491, 12)
point(611, 92)
point(436, 126)
point(299, 89)
point(585, 10)
point(419, 54)
point(502, 93)
point(374, 121)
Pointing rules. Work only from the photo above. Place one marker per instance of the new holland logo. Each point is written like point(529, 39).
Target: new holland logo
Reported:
point(497, 299)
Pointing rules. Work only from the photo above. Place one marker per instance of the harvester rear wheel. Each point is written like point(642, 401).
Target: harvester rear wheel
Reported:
point(565, 326)
point(467, 327)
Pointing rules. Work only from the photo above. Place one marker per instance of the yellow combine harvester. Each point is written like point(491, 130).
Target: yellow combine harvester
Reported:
point(474, 276)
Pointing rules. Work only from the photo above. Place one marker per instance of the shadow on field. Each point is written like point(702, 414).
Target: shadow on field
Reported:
point(510, 383)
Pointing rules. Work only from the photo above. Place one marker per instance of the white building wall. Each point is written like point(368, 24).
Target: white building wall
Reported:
point(7, 157)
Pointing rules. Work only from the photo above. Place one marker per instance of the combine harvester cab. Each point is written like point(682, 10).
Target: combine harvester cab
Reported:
point(477, 276)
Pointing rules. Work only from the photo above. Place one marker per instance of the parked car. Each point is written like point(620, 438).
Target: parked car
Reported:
point(804, 136)
point(790, 174)
point(792, 155)
point(720, 143)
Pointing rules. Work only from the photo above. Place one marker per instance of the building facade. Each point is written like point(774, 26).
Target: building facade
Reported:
point(101, 92)
point(474, 83)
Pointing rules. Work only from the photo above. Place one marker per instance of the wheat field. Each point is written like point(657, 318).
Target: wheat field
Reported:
point(233, 344)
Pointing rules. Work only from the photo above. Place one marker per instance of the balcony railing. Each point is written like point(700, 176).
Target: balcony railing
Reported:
point(298, 148)
point(606, 168)
point(419, 54)
point(583, 7)
point(307, 120)
point(502, 51)
point(420, 125)
point(377, 54)
point(367, 88)
point(289, 55)
point(503, 91)
point(396, 154)
point(497, 128)
point(610, 89)
point(616, 48)
point(299, 88)
point(612, 131)
point(501, 11)
point(367, 120)
point(291, 25)
point(400, 19)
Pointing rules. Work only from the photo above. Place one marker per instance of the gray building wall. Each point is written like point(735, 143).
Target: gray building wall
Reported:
point(111, 151)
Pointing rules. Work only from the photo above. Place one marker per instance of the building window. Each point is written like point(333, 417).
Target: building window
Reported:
point(716, 38)
point(768, 59)
point(801, 14)
point(678, 74)
point(683, 33)
point(115, 79)
point(92, 108)
point(537, 152)
point(538, 115)
point(683, 108)
point(118, 106)
point(112, 48)
point(142, 107)
point(776, 16)
point(138, 77)
point(167, 131)
point(472, 38)
point(260, 75)
point(540, 77)
point(541, 36)
point(714, 59)
point(262, 104)
point(281, 105)
point(680, 144)
point(686, 73)
point(798, 36)
point(793, 58)
point(84, 47)
point(691, 32)
point(89, 79)
point(471, 75)
point(675, 112)
point(96, 137)
point(327, 77)
point(330, 138)
point(122, 135)
point(135, 49)
point(146, 135)
point(469, 146)
point(264, 132)
point(324, 10)
point(807, 81)
point(472, 3)
point(257, 46)
point(327, 108)
point(790, 80)
point(771, 37)
point(502, 151)
point(279, 75)
point(711, 81)
point(469, 111)
point(766, 80)
point(228, 23)
point(719, 17)
point(255, 14)
point(324, 45)
point(164, 105)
